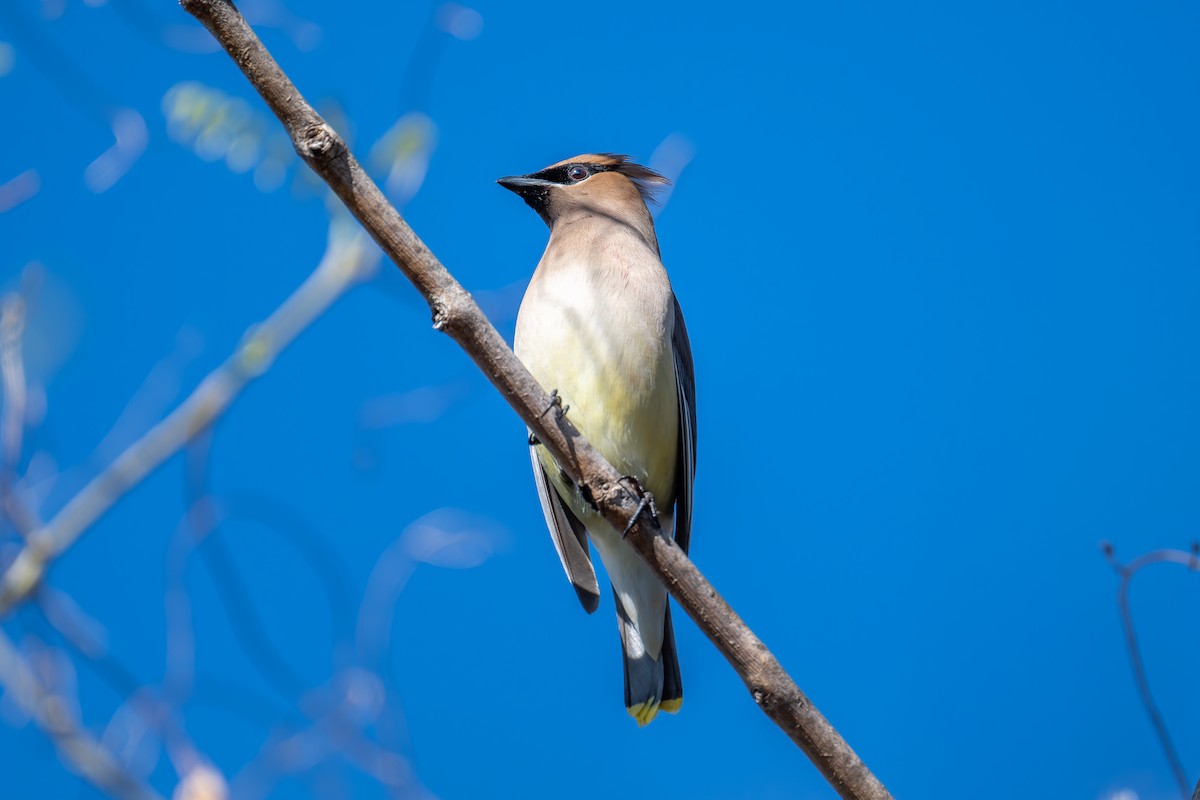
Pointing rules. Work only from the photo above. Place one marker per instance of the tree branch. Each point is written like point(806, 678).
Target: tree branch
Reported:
point(456, 314)
point(348, 260)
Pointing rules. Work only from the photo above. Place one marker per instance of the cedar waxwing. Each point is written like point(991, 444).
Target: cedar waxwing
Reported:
point(600, 325)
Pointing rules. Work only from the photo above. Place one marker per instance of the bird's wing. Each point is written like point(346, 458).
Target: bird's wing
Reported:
point(570, 538)
point(685, 461)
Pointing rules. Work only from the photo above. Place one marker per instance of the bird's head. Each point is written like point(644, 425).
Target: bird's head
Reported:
point(593, 183)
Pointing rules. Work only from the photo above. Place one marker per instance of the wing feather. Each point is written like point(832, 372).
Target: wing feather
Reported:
point(685, 471)
point(569, 536)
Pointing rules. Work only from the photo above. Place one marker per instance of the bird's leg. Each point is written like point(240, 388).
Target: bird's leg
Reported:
point(555, 401)
point(646, 501)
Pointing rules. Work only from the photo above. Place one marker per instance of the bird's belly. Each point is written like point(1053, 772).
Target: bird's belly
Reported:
point(616, 371)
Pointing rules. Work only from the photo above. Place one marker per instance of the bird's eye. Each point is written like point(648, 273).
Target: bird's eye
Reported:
point(577, 172)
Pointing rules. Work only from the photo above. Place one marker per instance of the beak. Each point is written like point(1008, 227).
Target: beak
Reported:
point(524, 185)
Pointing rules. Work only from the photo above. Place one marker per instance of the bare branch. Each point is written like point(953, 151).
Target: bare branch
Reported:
point(349, 260)
point(12, 376)
point(456, 314)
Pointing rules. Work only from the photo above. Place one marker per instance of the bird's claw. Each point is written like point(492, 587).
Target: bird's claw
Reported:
point(646, 501)
point(556, 401)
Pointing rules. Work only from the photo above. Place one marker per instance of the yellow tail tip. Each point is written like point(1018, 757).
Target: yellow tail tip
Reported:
point(643, 713)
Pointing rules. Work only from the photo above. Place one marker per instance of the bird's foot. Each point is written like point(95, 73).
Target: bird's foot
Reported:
point(556, 401)
point(646, 501)
point(533, 440)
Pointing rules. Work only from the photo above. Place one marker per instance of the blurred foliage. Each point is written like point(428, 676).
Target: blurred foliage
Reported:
point(218, 127)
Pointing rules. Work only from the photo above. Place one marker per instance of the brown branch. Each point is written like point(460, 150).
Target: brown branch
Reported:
point(456, 314)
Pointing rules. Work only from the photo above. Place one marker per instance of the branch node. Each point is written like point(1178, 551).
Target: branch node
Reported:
point(319, 143)
point(23, 576)
point(452, 309)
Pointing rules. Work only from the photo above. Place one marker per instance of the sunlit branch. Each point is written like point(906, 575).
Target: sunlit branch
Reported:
point(12, 377)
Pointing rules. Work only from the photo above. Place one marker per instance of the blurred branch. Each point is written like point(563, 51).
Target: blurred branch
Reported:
point(348, 260)
point(445, 20)
point(78, 749)
point(144, 716)
point(19, 189)
point(75, 84)
point(143, 19)
point(340, 711)
point(456, 314)
point(13, 318)
point(202, 522)
point(338, 714)
point(1191, 560)
point(669, 159)
point(12, 377)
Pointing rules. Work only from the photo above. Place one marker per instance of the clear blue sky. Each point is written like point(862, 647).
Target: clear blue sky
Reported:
point(941, 270)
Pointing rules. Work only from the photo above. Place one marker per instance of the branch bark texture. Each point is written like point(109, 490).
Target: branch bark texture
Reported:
point(456, 314)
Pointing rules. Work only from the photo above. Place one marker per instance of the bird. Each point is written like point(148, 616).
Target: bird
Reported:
point(600, 326)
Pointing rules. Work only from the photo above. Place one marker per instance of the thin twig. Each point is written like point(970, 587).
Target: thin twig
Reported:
point(78, 749)
point(456, 314)
point(81, 635)
point(1141, 678)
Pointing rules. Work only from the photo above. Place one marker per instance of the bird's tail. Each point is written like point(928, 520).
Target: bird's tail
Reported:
point(672, 696)
point(651, 685)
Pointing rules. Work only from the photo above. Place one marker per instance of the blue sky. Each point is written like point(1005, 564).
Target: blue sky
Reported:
point(940, 266)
